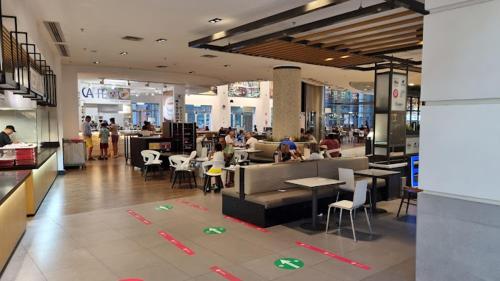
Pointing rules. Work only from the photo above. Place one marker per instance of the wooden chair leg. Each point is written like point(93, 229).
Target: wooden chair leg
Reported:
point(408, 202)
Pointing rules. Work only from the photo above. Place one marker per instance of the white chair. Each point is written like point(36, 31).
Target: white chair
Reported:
point(151, 159)
point(347, 176)
point(209, 173)
point(182, 165)
point(241, 157)
point(359, 199)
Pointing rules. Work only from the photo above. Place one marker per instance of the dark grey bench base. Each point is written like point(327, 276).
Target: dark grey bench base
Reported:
point(258, 215)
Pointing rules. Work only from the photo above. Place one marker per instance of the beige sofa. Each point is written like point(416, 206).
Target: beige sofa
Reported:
point(267, 151)
point(262, 197)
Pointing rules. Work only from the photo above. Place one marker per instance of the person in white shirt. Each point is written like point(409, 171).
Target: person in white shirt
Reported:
point(230, 138)
point(251, 141)
point(316, 154)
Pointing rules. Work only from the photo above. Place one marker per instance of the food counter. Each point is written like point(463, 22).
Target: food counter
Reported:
point(12, 211)
point(43, 173)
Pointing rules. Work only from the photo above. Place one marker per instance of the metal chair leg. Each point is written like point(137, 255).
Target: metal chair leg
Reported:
point(145, 173)
point(328, 219)
point(401, 204)
point(368, 220)
point(175, 179)
point(352, 226)
point(340, 218)
point(194, 179)
point(408, 203)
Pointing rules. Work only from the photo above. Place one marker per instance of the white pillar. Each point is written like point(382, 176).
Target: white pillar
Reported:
point(457, 226)
point(286, 101)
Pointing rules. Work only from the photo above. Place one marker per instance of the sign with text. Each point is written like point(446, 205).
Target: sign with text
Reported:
point(104, 94)
point(399, 83)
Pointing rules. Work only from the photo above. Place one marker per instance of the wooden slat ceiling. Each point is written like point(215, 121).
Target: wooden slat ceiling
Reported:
point(349, 44)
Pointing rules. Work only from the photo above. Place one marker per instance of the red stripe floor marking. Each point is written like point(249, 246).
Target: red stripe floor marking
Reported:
point(333, 255)
point(131, 279)
point(247, 224)
point(225, 274)
point(176, 243)
point(139, 217)
point(193, 205)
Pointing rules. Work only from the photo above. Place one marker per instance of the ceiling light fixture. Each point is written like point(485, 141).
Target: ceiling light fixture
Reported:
point(97, 62)
point(421, 42)
point(123, 53)
point(161, 40)
point(411, 84)
point(328, 59)
point(215, 20)
point(227, 65)
point(345, 56)
point(161, 66)
point(191, 72)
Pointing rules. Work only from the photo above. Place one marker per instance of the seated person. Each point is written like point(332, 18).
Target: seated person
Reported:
point(288, 141)
point(309, 137)
point(228, 151)
point(217, 155)
point(332, 145)
point(251, 141)
point(315, 153)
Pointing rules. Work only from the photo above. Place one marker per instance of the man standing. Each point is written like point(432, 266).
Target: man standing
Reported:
point(87, 136)
point(5, 135)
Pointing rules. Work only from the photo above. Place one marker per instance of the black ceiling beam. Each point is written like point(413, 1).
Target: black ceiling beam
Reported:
point(361, 12)
point(403, 61)
point(288, 14)
point(412, 5)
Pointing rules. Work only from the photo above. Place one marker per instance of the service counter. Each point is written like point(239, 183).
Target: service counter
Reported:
point(13, 186)
point(43, 174)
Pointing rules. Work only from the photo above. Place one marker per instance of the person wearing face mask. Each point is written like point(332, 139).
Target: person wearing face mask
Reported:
point(5, 135)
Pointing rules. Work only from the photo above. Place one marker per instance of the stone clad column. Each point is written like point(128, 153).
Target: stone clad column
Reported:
point(286, 101)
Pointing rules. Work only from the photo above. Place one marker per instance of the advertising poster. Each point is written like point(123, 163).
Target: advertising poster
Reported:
point(168, 105)
point(398, 92)
point(244, 89)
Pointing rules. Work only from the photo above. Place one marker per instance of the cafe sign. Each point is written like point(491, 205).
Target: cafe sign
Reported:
point(104, 94)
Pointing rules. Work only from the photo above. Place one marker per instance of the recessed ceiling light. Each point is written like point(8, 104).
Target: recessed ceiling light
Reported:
point(411, 84)
point(123, 53)
point(208, 56)
point(191, 72)
point(227, 65)
point(161, 40)
point(328, 59)
point(161, 66)
point(345, 56)
point(215, 20)
point(97, 62)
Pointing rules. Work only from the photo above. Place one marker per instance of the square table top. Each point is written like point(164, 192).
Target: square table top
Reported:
point(314, 182)
point(375, 173)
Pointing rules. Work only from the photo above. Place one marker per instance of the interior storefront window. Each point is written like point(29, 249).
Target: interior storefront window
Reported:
point(242, 117)
point(201, 115)
point(347, 109)
point(146, 112)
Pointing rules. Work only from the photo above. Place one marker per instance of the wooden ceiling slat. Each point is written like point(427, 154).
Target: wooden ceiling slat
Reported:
point(388, 49)
point(357, 24)
point(359, 45)
point(374, 35)
point(386, 44)
point(332, 38)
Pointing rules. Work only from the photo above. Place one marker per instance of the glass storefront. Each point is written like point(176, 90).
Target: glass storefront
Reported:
point(242, 117)
point(201, 115)
point(146, 112)
point(347, 109)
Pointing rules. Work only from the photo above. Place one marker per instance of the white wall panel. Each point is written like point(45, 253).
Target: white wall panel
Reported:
point(460, 150)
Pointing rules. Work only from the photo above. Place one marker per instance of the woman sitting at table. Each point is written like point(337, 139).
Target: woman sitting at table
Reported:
point(316, 154)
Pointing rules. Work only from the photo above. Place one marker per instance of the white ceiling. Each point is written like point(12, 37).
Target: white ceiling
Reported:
point(105, 22)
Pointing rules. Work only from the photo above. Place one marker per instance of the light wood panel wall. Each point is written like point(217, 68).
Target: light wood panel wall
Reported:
point(39, 183)
point(12, 223)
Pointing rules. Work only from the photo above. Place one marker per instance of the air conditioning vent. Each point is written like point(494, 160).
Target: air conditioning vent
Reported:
point(63, 50)
point(208, 56)
point(55, 31)
point(132, 38)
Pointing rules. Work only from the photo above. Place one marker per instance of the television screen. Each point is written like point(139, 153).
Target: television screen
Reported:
point(244, 89)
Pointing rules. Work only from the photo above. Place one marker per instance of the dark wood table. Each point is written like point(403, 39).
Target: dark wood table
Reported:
point(314, 183)
point(374, 174)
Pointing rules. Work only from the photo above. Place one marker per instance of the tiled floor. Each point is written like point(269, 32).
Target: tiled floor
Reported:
point(111, 244)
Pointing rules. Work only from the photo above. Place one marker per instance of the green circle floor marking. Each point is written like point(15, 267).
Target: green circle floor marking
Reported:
point(165, 207)
point(214, 230)
point(289, 263)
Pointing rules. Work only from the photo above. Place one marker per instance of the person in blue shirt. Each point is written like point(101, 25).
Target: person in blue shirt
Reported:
point(288, 141)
